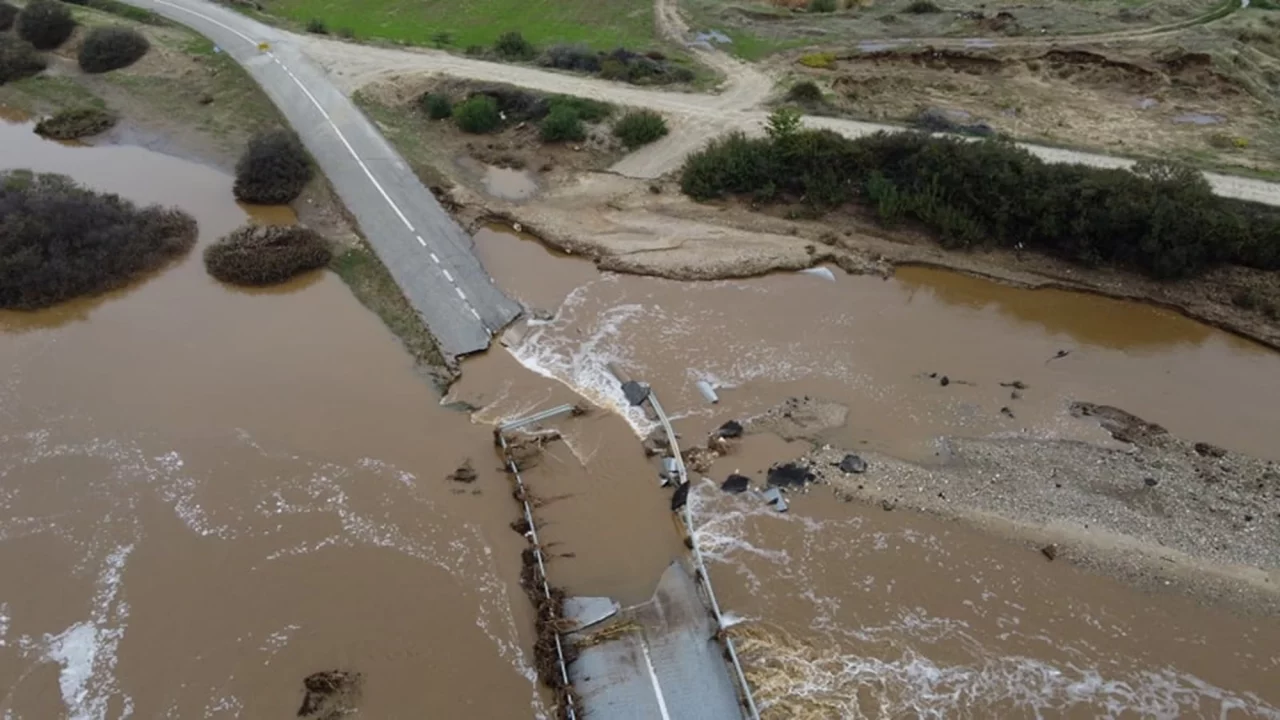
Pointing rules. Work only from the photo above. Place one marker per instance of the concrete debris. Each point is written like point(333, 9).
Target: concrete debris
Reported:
point(636, 393)
point(707, 391)
point(773, 496)
point(680, 497)
point(1050, 551)
point(790, 475)
point(730, 430)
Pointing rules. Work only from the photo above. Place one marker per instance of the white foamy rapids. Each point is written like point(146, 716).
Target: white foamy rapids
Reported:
point(581, 362)
point(87, 650)
point(375, 503)
point(889, 670)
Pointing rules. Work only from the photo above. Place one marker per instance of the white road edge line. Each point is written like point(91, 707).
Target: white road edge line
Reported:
point(368, 173)
point(653, 678)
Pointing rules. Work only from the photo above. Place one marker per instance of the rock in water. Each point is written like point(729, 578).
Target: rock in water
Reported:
point(1050, 551)
point(635, 392)
point(853, 464)
point(736, 484)
point(945, 381)
point(731, 429)
point(680, 497)
point(464, 474)
point(790, 474)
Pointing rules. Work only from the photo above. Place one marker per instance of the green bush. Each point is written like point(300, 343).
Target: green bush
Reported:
point(923, 7)
point(640, 127)
point(562, 124)
point(256, 255)
point(112, 48)
point(273, 169)
point(317, 26)
point(45, 24)
point(18, 59)
point(1160, 218)
point(436, 105)
point(478, 114)
point(511, 45)
point(346, 33)
point(75, 123)
point(59, 241)
point(586, 109)
point(806, 92)
point(822, 6)
point(8, 14)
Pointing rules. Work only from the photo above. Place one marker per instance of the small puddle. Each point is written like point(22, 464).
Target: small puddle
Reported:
point(504, 183)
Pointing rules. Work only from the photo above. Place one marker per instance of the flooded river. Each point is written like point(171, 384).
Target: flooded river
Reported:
point(207, 494)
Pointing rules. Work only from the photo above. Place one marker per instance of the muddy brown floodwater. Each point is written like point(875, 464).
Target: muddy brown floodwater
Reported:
point(207, 494)
point(845, 611)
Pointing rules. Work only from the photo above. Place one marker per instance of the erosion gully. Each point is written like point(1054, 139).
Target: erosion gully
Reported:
point(207, 494)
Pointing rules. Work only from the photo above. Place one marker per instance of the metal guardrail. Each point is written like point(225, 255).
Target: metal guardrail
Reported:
point(699, 564)
point(533, 533)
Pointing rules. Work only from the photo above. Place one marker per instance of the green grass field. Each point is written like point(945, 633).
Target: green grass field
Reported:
point(600, 24)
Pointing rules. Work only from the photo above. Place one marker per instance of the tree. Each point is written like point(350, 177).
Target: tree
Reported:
point(273, 169)
point(45, 24)
point(112, 48)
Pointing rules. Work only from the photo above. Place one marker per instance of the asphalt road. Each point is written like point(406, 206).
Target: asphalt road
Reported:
point(428, 254)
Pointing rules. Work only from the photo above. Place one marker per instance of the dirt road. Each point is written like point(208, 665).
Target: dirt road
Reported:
point(694, 118)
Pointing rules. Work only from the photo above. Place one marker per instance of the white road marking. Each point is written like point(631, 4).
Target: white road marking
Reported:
point(653, 678)
point(343, 138)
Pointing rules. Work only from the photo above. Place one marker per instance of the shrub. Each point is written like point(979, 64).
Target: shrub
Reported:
point(562, 124)
point(515, 104)
point(922, 7)
point(640, 127)
point(317, 26)
point(75, 123)
point(1160, 219)
point(18, 59)
point(805, 91)
point(613, 69)
point(511, 45)
point(436, 105)
point(112, 48)
point(441, 40)
point(475, 51)
point(478, 114)
point(584, 108)
point(273, 169)
point(266, 255)
point(819, 61)
point(8, 14)
point(822, 6)
point(572, 57)
point(346, 33)
point(45, 24)
point(59, 240)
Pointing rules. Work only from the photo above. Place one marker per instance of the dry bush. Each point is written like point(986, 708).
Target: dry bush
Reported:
point(59, 240)
point(45, 24)
point(265, 255)
point(111, 48)
point(273, 170)
point(75, 123)
point(18, 59)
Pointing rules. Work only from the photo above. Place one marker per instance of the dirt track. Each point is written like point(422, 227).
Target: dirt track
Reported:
point(694, 118)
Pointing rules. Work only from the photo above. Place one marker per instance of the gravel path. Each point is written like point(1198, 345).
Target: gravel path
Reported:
point(694, 118)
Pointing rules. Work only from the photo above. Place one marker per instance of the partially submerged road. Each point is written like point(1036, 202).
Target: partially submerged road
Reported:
point(428, 254)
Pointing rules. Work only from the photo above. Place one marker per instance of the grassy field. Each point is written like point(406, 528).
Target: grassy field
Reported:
point(600, 24)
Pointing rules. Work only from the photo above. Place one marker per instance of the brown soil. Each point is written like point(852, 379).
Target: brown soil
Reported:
point(1192, 102)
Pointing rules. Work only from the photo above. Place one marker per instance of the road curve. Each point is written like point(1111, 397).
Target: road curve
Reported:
point(428, 254)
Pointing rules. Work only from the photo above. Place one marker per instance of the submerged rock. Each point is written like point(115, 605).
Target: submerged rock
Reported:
point(731, 429)
point(1050, 551)
point(736, 483)
point(852, 464)
point(680, 497)
point(464, 474)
